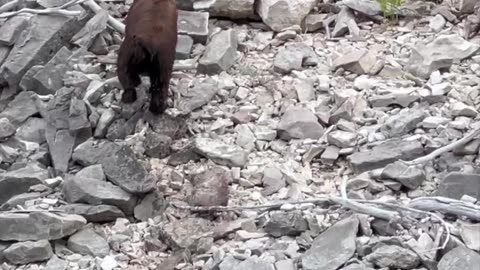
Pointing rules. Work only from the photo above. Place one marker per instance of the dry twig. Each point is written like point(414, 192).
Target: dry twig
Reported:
point(28, 211)
point(9, 6)
point(447, 206)
point(326, 24)
point(418, 211)
point(357, 207)
point(360, 206)
point(114, 23)
point(449, 147)
point(60, 10)
point(47, 11)
point(274, 206)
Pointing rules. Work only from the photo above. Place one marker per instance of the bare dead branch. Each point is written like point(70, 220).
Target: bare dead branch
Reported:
point(273, 206)
point(9, 6)
point(47, 11)
point(447, 206)
point(355, 206)
point(449, 147)
point(70, 4)
point(60, 10)
point(358, 207)
point(418, 211)
point(419, 206)
point(114, 23)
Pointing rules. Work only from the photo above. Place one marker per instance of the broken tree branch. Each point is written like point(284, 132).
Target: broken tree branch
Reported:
point(447, 148)
point(114, 23)
point(274, 206)
point(351, 204)
point(60, 10)
point(418, 211)
point(368, 210)
point(9, 6)
point(362, 206)
point(447, 206)
point(326, 24)
point(49, 11)
point(70, 3)
point(358, 207)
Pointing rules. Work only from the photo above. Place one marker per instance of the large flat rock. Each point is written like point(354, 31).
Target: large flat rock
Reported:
point(220, 53)
point(459, 258)
point(457, 184)
point(384, 154)
point(16, 182)
point(46, 35)
point(194, 24)
point(96, 192)
point(332, 248)
point(118, 162)
point(28, 252)
point(439, 54)
point(38, 226)
point(299, 123)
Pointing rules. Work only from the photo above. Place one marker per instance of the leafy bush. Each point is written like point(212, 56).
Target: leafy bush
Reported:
point(389, 8)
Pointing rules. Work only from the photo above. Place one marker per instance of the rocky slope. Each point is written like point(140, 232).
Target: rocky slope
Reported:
point(302, 134)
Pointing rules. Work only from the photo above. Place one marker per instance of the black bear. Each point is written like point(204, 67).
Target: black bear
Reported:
point(148, 49)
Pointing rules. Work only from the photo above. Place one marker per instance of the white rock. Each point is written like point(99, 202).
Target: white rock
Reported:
point(441, 89)
point(280, 14)
point(242, 93)
point(323, 83)
point(265, 134)
point(461, 109)
point(439, 54)
point(363, 83)
point(342, 139)
point(304, 89)
point(233, 9)
point(108, 263)
point(434, 121)
point(437, 23)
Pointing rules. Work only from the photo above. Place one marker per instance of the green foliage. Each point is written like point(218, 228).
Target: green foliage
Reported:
point(389, 8)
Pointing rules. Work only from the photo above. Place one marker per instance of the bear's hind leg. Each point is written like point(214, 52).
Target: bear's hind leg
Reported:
point(158, 100)
point(159, 88)
point(130, 94)
point(129, 58)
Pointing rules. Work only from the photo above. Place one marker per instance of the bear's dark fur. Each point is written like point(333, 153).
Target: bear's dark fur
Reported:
point(148, 48)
